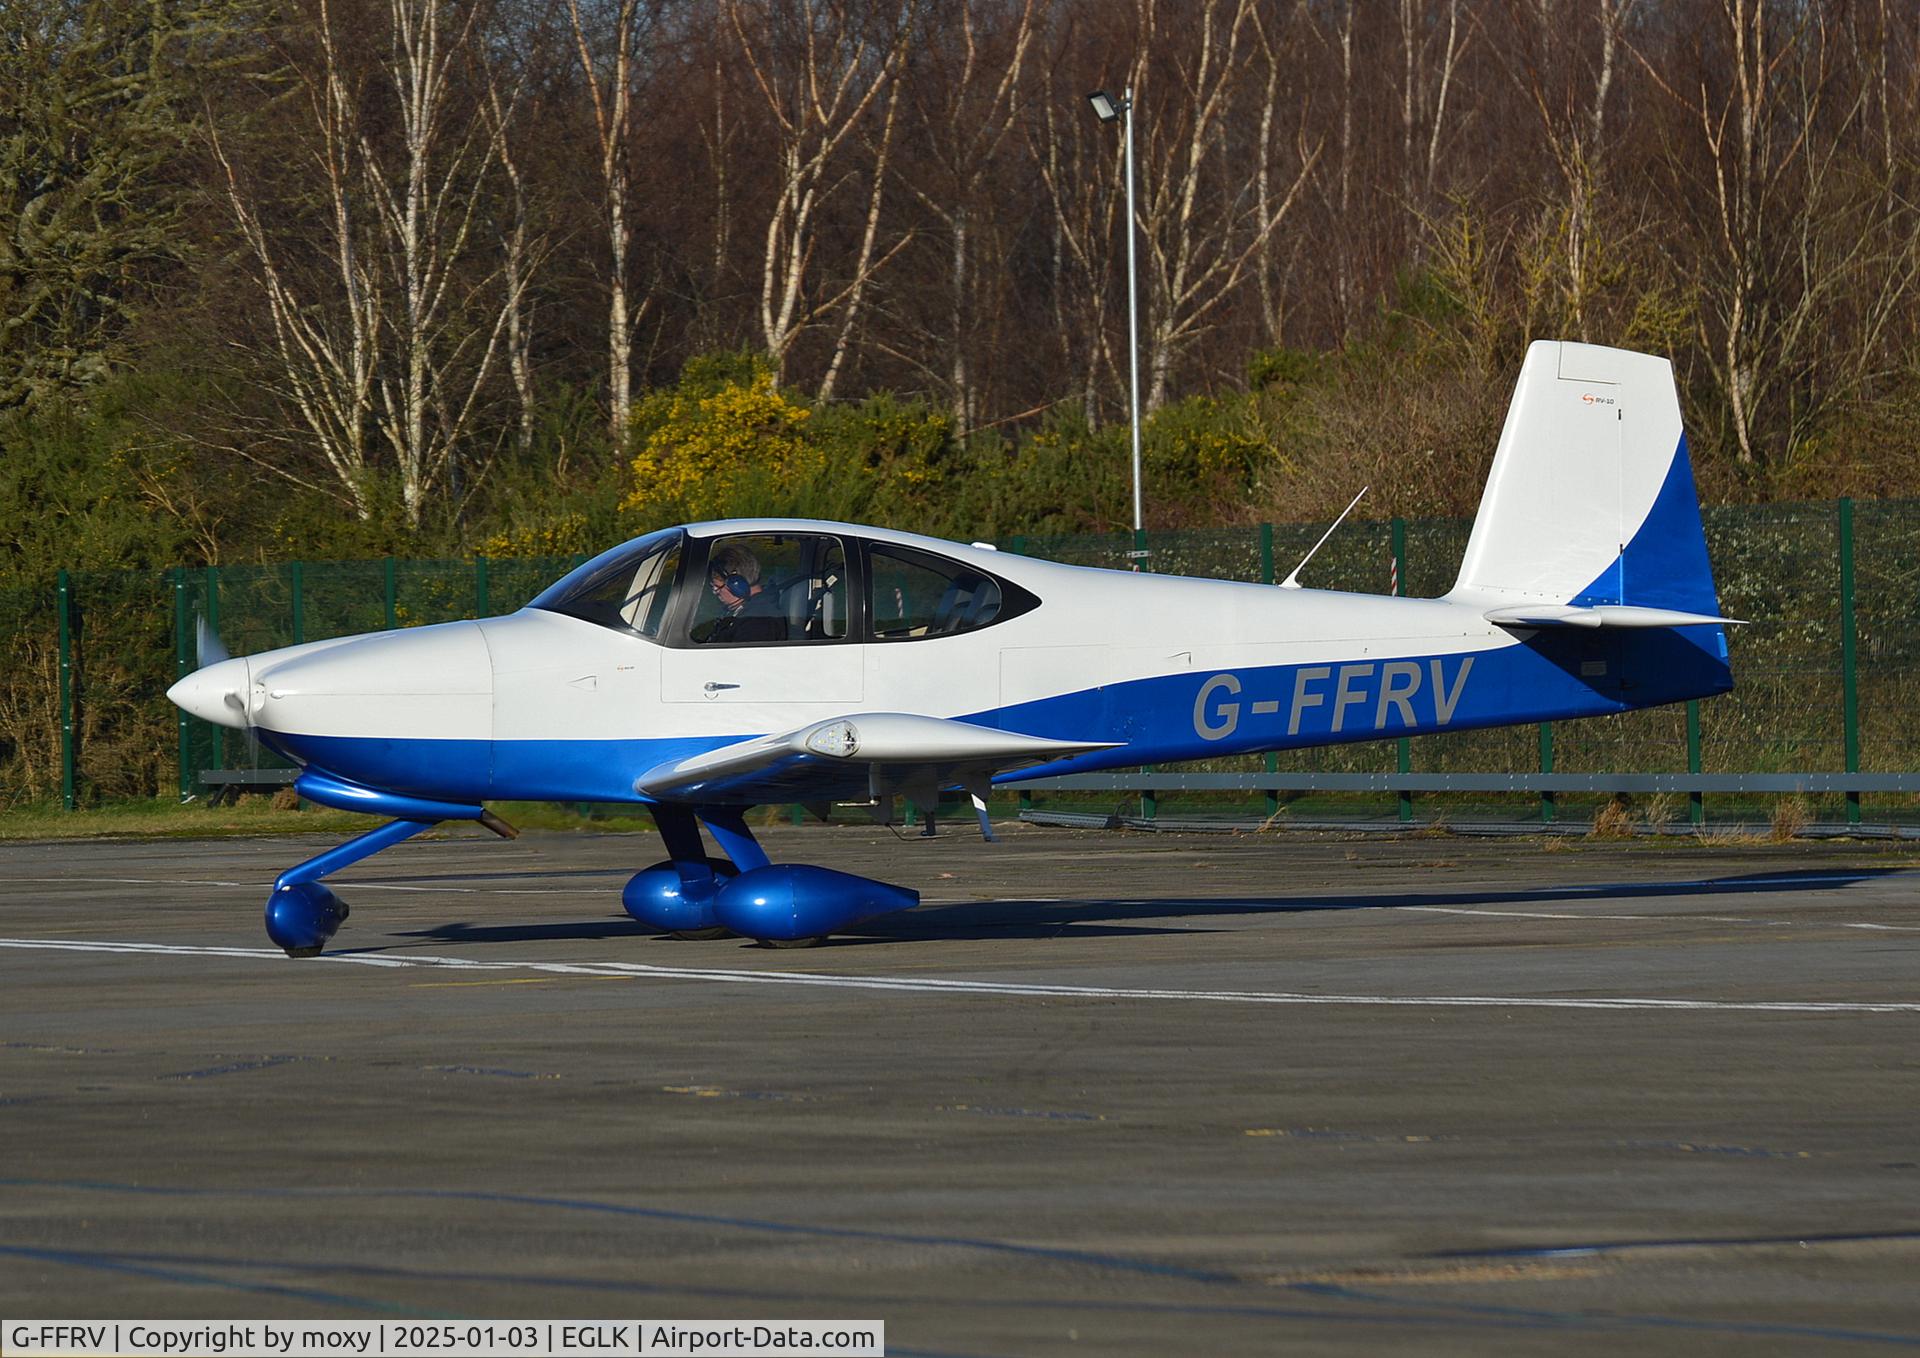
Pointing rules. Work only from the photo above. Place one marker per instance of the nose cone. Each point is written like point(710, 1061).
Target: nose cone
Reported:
point(217, 693)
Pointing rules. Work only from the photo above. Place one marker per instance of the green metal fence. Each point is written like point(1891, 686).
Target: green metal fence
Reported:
point(1827, 674)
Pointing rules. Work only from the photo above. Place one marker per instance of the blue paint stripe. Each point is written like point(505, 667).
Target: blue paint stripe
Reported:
point(1665, 563)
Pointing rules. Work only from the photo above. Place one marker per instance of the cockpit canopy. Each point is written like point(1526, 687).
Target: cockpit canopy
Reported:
point(781, 588)
point(627, 588)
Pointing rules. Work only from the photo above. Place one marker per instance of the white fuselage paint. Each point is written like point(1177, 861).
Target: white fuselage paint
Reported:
point(537, 676)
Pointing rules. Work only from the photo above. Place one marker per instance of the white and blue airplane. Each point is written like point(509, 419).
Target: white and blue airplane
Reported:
point(707, 669)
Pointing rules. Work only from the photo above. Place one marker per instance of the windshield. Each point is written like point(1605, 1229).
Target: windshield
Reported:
point(626, 589)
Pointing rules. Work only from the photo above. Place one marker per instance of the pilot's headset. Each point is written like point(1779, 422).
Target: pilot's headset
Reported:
point(735, 583)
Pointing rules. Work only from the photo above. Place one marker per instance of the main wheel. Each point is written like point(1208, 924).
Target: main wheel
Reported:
point(722, 869)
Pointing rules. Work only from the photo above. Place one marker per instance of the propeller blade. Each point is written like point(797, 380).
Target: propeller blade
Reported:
point(209, 648)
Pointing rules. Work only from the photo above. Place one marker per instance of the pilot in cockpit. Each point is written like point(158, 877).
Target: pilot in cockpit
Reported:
point(733, 574)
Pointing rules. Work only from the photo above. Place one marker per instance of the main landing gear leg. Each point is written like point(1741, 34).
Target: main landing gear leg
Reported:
point(728, 826)
point(301, 914)
point(791, 905)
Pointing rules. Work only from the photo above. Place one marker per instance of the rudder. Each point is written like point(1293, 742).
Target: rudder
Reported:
point(1590, 500)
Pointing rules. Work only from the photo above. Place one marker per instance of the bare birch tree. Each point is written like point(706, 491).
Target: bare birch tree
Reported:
point(1431, 50)
point(326, 320)
point(1335, 188)
point(522, 250)
point(609, 77)
point(395, 346)
point(1200, 230)
point(1568, 88)
point(821, 67)
point(1789, 229)
point(967, 109)
point(1075, 164)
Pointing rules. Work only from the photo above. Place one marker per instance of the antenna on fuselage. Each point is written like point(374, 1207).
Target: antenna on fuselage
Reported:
point(1293, 579)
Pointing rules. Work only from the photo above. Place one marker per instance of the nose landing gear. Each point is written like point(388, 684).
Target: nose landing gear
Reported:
point(301, 914)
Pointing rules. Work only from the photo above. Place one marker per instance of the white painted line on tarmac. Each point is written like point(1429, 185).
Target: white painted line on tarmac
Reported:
point(1527, 914)
point(1016, 989)
point(119, 881)
point(257, 885)
point(1677, 918)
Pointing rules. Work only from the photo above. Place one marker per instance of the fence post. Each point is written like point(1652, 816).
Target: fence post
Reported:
point(1403, 747)
point(392, 583)
point(1546, 766)
point(212, 588)
point(299, 603)
point(1696, 803)
point(481, 606)
point(182, 667)
point(63, 597)
point(1849, 676)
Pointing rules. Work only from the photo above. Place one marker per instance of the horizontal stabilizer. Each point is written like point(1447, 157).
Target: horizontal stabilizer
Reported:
point(1598, 615)
point(818, 758)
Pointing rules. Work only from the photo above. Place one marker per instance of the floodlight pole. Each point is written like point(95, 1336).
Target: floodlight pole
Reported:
point(1133, 327)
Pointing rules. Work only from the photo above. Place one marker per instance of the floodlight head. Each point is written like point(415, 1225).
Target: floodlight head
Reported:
point(1105, 107)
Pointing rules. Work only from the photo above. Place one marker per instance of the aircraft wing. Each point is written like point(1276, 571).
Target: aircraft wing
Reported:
point(1597, 615)
point(867, 754)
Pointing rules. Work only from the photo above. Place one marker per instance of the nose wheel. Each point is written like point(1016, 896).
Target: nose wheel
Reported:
point(303, 916)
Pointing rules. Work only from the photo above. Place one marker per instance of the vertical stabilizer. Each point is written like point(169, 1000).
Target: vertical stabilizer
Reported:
point(1591, 499)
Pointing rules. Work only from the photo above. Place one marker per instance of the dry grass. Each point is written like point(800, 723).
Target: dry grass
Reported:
point(1791, 817)
point(1614, 820)
point(254, 814)
point(166, 818)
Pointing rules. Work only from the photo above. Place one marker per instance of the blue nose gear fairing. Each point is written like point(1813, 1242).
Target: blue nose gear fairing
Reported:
point(704, 670)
